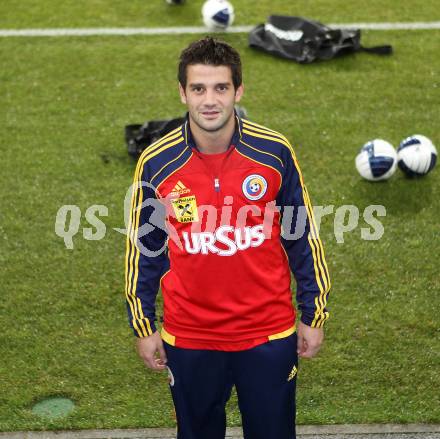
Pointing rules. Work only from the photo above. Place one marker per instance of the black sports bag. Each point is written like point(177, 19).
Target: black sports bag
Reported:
point(305, 41)
point(138, 137)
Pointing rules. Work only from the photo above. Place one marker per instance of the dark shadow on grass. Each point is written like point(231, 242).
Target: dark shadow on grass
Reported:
point(401, 195)
point(124, 158)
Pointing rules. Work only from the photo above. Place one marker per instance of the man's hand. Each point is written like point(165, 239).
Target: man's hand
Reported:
point(147, 348)
point(309, 340)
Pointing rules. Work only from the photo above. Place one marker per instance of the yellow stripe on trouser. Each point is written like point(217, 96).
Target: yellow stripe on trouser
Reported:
point(171, 339)
point(283, 334)
point(167, 337)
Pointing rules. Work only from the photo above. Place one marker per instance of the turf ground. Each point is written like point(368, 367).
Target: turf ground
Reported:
point(65, 102)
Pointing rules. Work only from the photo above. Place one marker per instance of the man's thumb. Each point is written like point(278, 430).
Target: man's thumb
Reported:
point(162, 354)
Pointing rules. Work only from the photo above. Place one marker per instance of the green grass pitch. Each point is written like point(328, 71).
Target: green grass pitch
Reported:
point(65, 102)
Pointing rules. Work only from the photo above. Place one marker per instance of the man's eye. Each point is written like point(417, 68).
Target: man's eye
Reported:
point(198, 89)
point(222, 88)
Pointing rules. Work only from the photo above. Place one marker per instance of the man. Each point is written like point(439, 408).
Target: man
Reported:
point(227, 187)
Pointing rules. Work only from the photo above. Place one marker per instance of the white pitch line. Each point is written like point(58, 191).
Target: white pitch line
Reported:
point(125, 31)
point(418, 25)
point(85, 32)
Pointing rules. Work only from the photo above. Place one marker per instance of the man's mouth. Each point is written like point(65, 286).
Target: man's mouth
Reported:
point(210, 114)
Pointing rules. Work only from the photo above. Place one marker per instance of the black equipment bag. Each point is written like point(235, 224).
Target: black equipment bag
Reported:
point(138, 137)
point(305, 41)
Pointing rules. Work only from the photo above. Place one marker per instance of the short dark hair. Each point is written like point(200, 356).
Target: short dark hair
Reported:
point(210, 51)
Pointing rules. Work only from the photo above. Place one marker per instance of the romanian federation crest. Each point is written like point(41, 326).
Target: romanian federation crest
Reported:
point(254, 187)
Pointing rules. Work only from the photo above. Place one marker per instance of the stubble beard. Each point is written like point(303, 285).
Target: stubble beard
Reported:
point(214, 128)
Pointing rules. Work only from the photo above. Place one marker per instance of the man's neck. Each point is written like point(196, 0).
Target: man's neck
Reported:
point(214, 142)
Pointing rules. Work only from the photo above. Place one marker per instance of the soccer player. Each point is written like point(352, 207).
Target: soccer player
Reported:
point(220, 218)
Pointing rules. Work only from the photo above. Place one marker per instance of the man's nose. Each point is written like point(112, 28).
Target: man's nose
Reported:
point(210, 97)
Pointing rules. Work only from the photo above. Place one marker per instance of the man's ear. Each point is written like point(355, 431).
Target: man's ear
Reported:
point(239, 93)
point(182, 94)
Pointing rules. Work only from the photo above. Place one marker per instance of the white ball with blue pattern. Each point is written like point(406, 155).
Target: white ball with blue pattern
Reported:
point(217, 14)
point(377, 160)
point(416, 155)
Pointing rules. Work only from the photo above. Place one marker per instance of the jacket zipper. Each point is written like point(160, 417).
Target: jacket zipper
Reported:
point(217, 184)
point(216, 178)
point(217, 187)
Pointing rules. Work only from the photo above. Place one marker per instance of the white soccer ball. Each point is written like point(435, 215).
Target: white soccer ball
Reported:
point(377, 160)
point(416, 155)
point(217, 14)
point(255, 187)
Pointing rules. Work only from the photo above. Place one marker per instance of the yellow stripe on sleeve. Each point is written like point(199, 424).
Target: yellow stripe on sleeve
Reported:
point(315, 238)
point(135, 188)
point(179, 184)
point(264, 152)
point(180, 167)
point(327, 278)
point(255, 126)
point(263, 164)
point(132, 251)
point(320, 264)
point(137, 211)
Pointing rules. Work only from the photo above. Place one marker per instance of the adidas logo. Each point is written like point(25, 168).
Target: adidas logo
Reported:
point(179, 189)
point(292, 374)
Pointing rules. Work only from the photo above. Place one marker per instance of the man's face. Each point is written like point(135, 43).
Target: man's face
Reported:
point(210, 96)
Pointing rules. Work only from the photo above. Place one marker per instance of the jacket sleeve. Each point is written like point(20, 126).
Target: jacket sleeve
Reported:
point(146, 259)
point(302, 244)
